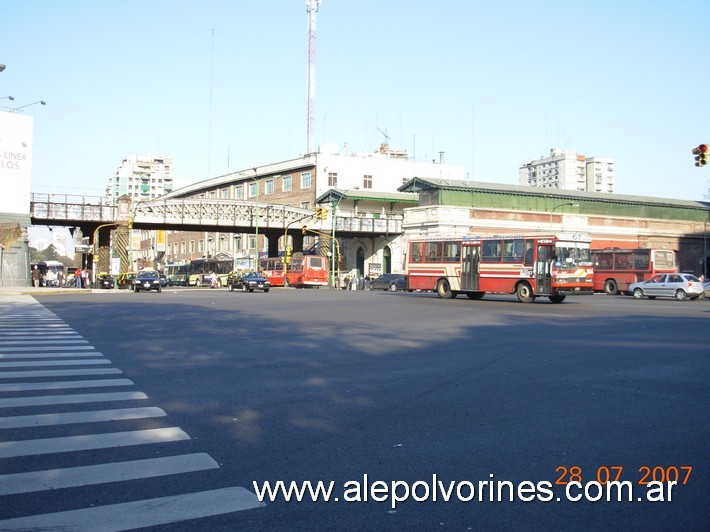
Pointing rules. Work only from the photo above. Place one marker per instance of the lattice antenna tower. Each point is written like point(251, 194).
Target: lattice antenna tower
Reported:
point(312, 8)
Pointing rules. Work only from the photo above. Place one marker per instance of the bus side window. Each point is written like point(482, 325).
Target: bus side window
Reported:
point(452, 252)
point(416, 251)
point(513, 250)
point(433, 251)
point(529, 252)
point(491, 251)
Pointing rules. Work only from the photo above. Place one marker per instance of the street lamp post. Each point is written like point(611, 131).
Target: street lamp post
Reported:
point(705, 249)
point(568, 204)
point(256, 223)
point(23, 106)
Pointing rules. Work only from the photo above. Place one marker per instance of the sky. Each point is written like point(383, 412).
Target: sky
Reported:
point(220, 85)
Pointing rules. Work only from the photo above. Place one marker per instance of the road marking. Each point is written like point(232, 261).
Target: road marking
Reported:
point(70, 399)
point(23, 333)
point(90, 441)
point(58, 341)
point(140, 514)
point(68, 418)
point(30, 363)
point(52, 479)
point(50, 348)
point(59, 385)
point(58, 373)
point(10, 356)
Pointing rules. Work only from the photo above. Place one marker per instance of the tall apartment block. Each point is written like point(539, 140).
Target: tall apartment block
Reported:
point(142, 177)
point(567, 170)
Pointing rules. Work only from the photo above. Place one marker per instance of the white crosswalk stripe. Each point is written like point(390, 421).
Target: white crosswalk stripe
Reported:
point(34, 344)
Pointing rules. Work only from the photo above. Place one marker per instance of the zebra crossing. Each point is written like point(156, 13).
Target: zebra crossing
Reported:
point(55, 382)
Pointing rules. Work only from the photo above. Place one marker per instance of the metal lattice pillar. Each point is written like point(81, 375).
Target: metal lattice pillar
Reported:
point(121, 243)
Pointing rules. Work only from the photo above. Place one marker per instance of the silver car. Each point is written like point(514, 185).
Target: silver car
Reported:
point(678, 285)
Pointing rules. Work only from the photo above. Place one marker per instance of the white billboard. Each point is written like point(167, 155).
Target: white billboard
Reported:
point(15, 163)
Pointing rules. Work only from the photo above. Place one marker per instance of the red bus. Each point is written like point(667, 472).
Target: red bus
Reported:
point(615, 269)
point(528, 266)
point(305, 271)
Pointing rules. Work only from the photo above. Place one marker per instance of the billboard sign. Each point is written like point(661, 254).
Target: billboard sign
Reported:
point(15, 163)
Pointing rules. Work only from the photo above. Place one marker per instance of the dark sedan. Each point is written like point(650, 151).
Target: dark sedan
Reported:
point(147, 280)
point(390, 281)
point(248, 282)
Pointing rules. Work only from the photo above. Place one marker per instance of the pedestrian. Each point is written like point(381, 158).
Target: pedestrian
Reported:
point(77, 278)
point(36, 277)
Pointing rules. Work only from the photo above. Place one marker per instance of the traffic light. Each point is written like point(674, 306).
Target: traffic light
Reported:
point(323, 213)
point(304, 229)
point(701, 155)
point(287, 255)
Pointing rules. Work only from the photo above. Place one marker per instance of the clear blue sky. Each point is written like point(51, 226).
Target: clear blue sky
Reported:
point(221, 85)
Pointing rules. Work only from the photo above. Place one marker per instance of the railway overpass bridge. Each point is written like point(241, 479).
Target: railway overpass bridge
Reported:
point(97, 220)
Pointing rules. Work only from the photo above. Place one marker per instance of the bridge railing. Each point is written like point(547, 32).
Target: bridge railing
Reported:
point(70, 207)
point(351, 222)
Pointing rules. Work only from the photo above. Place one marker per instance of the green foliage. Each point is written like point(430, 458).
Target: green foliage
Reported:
point(50, 253)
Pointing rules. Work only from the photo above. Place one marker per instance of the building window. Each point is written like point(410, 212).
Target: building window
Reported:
point(253, 189)
point(238, 242)
point(286, 184)
point(182, 247)
point(200, 246)
point(269, 186)
point(225, 193)
point(332, 179)
point(192, 247)
point(305, 205)
point(367, 181)
point(252, 241)
point(238, 192)
point(306, 180)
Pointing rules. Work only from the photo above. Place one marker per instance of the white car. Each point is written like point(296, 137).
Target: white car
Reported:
point(678, 285)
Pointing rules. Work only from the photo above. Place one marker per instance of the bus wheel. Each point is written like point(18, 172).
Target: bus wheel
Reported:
point(610, 287)
point(444, 289)
point(524, 293)
point(475, 295)
point(557, 299)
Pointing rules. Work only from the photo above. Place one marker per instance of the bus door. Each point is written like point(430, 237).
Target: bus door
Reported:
point(470, 259)
point(543, 269)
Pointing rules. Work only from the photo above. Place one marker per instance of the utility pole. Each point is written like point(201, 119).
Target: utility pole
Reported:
point(312, 8)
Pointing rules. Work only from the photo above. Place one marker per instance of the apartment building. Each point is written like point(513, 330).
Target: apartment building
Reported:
point(568, 170)
point(142, 177)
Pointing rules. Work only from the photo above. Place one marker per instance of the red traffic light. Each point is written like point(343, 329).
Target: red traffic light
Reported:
point(701, 155)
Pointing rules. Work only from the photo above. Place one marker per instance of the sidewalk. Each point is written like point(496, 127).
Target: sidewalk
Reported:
point(44, 291)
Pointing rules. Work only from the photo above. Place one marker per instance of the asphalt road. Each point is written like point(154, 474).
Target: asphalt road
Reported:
point(335, 385)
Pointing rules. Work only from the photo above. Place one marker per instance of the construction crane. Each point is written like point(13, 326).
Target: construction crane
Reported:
point(384, 133)
point(312, 8)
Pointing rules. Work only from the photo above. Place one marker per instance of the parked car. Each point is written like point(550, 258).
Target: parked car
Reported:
point(147, 280)
point(706, 289)
point(163, 279)
point(125, 280)
point(678, 285)
point(248, 282)
point(390, 281)
point(105, 281)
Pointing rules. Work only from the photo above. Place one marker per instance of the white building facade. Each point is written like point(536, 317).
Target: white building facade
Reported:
point(568, 170)
point(142, 177)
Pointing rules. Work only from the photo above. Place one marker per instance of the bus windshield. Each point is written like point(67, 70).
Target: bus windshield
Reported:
point(571, 255)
